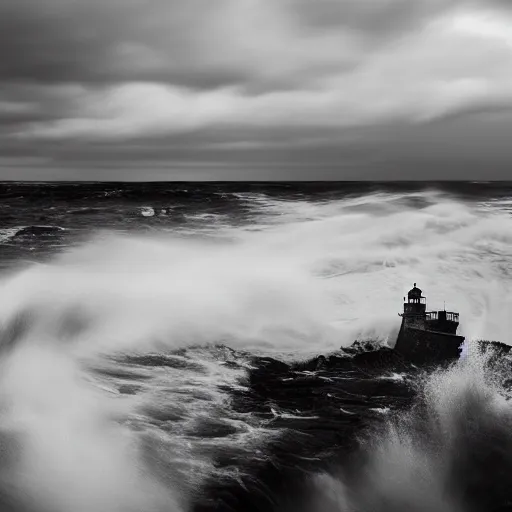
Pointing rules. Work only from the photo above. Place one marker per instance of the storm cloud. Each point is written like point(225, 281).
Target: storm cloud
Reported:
point(90, 83)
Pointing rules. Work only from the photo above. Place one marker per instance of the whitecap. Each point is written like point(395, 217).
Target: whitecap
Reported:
point(147, 211)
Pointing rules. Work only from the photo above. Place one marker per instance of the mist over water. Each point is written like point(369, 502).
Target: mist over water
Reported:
point(119, 351)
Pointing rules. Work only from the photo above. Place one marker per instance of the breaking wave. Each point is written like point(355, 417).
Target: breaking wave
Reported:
point(451, 452)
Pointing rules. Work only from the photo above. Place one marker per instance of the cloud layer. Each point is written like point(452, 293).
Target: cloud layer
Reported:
point(238, 75)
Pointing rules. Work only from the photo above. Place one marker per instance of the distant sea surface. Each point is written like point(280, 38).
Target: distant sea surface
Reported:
point(160, 343)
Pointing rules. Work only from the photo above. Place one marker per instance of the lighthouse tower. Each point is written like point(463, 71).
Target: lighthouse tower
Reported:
point(427, 336)
point(414, 314)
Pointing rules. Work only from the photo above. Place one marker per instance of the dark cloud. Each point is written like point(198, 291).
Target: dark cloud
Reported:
point(449, 148)
point(90, 41)
point(200, 44)
point(387, 17)
point(40, 44)
point(379, 17)
point(190, 43)
point(91, 82)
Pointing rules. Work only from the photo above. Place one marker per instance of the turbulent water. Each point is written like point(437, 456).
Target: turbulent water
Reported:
point(159, 341)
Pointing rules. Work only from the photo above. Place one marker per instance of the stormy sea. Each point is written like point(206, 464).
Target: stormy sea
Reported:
point(196, 347)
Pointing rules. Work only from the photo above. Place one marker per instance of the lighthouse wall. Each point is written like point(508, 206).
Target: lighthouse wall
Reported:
point(420, 346)
point(416, 321)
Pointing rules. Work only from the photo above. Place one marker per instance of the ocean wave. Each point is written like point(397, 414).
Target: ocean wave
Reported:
point(450, 452)
point(147, 211)
point(7, 234)
point(115, 354)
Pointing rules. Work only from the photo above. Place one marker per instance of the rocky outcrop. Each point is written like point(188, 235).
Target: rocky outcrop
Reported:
point(38, 231)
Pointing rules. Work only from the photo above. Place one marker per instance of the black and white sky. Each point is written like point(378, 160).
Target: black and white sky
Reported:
point(255, 89)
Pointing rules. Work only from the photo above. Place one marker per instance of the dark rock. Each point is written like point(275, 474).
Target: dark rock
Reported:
point(383, 358)
point(37, 231)
point(362, 346)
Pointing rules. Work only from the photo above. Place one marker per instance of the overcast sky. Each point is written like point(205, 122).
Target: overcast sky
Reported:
point(255, 89)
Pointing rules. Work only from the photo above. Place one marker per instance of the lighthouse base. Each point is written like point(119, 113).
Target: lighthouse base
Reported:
point(420, 346)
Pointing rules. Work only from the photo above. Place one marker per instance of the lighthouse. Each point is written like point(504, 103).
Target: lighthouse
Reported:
point(427, 336)
point(414, 314)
